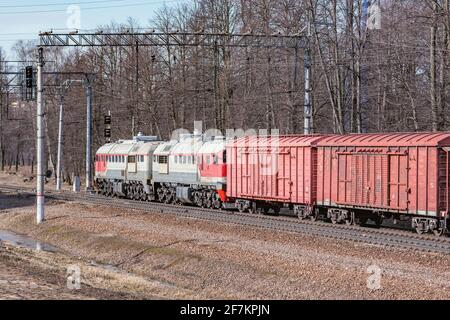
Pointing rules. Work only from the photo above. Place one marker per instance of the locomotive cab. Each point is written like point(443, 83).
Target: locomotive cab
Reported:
point(124, 168)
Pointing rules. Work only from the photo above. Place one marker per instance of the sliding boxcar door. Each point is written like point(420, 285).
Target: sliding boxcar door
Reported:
point(345, 192)
point(444, 180)
point(398, 182)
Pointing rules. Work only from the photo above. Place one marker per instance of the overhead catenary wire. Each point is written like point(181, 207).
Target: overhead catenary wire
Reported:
point(59, 4)
point(92, 8)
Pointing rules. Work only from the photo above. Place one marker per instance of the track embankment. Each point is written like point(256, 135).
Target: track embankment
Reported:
point(132, 250)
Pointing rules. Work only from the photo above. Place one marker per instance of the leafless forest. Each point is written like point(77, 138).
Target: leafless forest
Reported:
point(390, 79)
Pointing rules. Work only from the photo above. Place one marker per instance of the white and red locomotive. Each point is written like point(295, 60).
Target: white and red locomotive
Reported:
point(190, 170)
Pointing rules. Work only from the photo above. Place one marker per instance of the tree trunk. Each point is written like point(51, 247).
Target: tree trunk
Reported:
point(434, 102)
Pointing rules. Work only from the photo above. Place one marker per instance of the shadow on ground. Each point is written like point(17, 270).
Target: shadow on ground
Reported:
point(11, 201)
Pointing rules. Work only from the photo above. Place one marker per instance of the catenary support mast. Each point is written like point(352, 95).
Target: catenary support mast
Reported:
point(40, 197)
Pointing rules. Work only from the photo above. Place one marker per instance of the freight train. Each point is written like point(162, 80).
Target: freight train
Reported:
point(346, 179)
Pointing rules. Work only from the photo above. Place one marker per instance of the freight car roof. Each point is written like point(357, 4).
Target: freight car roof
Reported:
point(285, 141)
point(441, 139)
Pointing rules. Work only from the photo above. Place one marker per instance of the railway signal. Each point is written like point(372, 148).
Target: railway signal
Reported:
point(108, 121)
point(29, 91)
point(29, 76)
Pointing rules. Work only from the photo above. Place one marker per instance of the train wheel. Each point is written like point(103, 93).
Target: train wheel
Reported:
point(439, 232)
point(300, 212)
point(169, 196)
point(136, 193)
point(131, 192)
point(240, 207)
point(104, 189)
point(350, 219)
point(144, 195)
point(420, 230)
point(99, 188)
point(198, 199)
point(217, 202)
point(161, 195)
point(362, 222)
point(378, 221)
point(252, 209)
point(208, 201)
point(174, 197)
point(315, 215)
point(276, 211)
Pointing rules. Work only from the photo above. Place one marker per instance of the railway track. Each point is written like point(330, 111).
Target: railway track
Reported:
point(378, 237)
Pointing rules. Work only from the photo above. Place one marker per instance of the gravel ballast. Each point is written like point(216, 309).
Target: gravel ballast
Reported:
point(186, 258)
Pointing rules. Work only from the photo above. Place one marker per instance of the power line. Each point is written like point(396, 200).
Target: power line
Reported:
point(58, 4)
point(15, 40)
point(92, 8)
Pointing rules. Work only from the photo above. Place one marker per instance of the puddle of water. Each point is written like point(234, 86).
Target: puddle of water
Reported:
point(25, 242)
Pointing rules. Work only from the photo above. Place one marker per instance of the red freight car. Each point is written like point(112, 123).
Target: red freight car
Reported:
point(267, 173)
point(373, 176)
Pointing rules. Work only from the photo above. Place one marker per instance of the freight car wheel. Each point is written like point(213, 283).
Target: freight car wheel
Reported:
point(315, 216)
point(350, 219)
point(276, 211)
point(420, 230)
point(261, 211)
point(378, 221)
point(439, 232)
point(362, 222)
point(252, 209)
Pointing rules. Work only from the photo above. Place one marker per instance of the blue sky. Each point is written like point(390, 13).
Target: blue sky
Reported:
point(15, 24)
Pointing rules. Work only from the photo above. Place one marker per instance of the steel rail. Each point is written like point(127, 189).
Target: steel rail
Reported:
point(379, 237)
